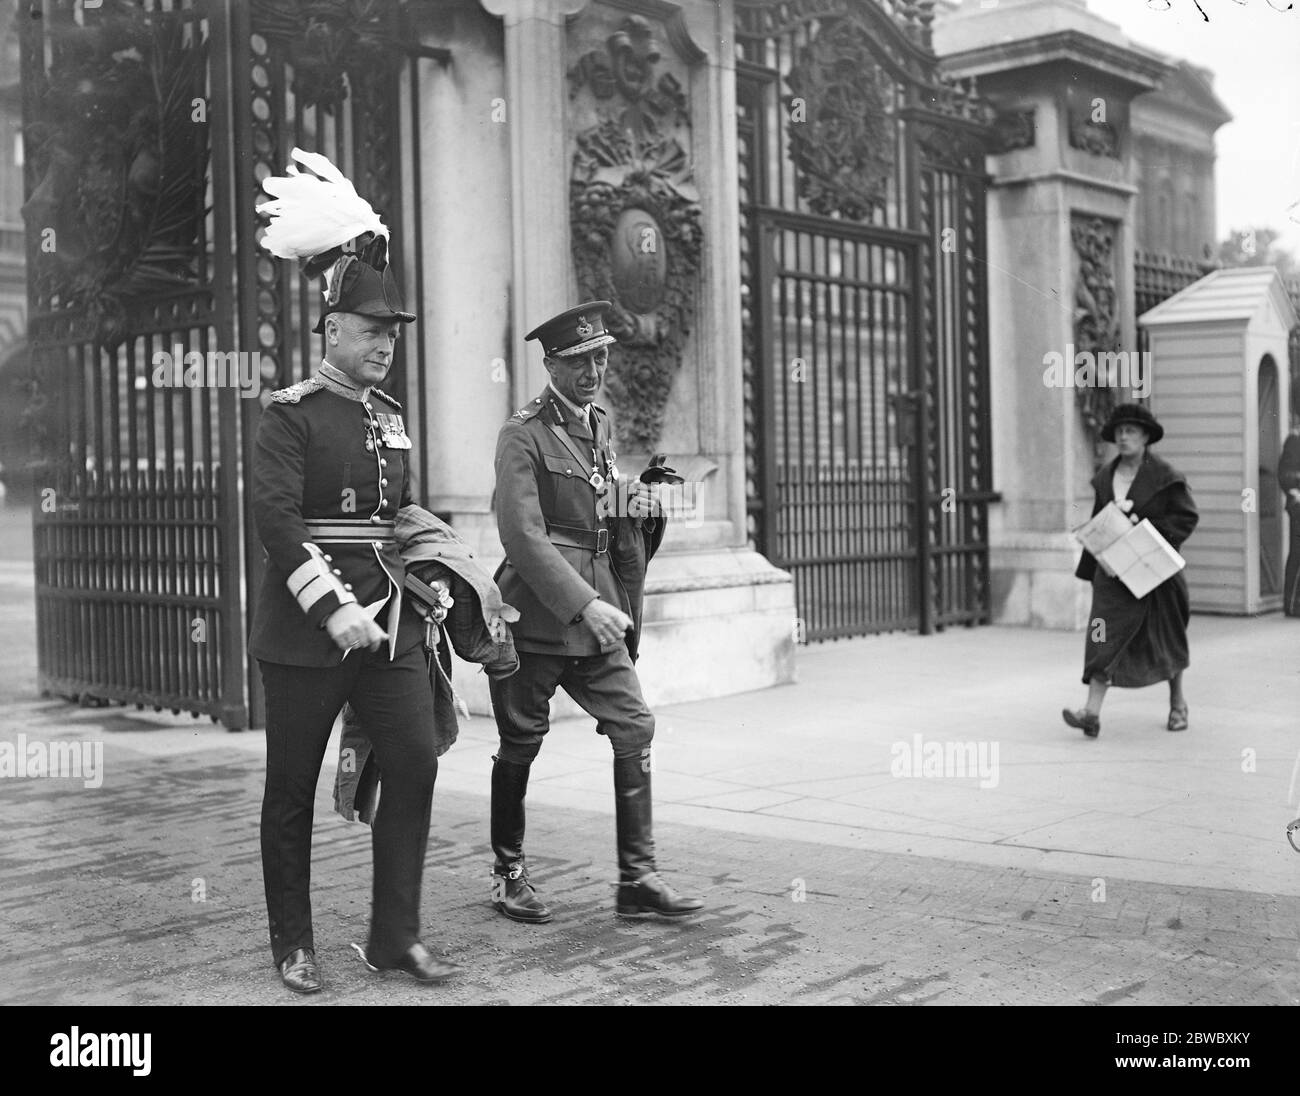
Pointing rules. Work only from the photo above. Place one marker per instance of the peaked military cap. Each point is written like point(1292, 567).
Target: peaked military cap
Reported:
point(574, 331)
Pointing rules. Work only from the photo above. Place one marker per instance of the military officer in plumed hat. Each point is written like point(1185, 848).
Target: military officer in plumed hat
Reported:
point(577, 540)
point(331, 625)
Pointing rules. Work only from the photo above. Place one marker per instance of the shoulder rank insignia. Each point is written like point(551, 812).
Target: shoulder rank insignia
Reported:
point(384, 395)
point(295, 392)
point(526, 413)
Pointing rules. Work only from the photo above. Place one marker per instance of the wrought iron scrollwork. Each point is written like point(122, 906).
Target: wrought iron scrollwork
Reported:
point(119, 146)
point(950, 148)
point(841, 123)
point(328, 39)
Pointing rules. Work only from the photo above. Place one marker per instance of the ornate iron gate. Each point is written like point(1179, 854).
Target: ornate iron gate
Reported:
point(327, 76)
point(866, 374)
point(154, 320)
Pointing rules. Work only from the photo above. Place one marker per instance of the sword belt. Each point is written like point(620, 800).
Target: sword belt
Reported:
point(351, 531)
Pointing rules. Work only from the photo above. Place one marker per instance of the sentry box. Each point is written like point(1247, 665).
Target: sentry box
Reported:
point(1221, 389)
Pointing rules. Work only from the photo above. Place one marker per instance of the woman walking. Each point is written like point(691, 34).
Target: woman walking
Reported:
point(1132, 642)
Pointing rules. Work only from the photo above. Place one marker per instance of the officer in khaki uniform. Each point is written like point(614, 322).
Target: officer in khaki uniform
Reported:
point(331, 624)
point(577, 540)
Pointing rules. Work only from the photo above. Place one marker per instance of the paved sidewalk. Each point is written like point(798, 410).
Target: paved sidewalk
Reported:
point(1141, 867)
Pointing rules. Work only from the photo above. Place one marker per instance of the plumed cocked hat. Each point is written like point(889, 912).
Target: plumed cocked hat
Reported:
point(317, 218)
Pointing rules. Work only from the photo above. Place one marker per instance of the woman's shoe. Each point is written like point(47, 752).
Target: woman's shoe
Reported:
point(1088, 723)
point(1177, 719)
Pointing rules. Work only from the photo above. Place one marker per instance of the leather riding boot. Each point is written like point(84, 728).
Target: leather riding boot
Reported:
point(512, 893)
point(641, 892)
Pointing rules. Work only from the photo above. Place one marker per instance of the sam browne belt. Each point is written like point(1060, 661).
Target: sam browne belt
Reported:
point(590, 540)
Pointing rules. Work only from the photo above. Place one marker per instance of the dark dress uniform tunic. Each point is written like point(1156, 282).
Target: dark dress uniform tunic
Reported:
point(1143, 640)
point(563, 547)
point(329, 475)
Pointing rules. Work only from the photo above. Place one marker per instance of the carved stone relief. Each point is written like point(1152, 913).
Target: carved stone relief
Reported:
point(636, 235)
point(1014, 129)
point(1096, 316)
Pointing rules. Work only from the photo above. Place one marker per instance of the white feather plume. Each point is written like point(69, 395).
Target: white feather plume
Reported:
point(314, 210)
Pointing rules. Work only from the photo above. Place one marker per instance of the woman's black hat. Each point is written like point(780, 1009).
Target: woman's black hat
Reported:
point(1139, 415)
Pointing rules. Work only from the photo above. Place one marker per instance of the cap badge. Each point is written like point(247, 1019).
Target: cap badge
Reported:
point(584, 328)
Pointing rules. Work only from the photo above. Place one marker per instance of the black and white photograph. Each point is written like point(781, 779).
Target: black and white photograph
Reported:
point(650, 503)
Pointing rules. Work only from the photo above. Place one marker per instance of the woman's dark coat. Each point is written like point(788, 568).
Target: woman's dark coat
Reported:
point(1139, 641)
point(1288, 478)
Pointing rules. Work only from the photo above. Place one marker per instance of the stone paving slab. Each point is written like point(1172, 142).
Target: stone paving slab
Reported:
point(99, 908)
point(1139, 868)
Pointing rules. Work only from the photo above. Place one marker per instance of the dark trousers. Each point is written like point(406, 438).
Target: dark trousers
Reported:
point(395, 703)
point(605, 686)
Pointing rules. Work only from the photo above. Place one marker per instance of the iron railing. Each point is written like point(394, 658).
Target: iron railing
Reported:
point(148, 128)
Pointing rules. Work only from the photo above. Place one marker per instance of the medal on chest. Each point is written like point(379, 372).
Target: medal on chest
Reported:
point(600, 481)
point(392, 432)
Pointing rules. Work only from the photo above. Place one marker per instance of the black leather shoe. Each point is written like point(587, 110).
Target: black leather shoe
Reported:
point(650, 896)
point(1084, 720)
point(419, 964)
point(514, 896)
point(298, 971)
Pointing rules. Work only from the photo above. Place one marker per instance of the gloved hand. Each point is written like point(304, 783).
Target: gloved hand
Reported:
point(658, 472)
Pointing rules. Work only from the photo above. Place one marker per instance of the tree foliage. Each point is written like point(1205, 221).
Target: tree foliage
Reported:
point(1258, 246)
